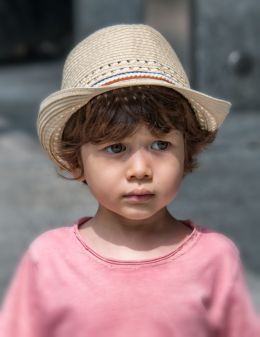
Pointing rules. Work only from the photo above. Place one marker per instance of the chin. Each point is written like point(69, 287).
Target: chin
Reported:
point(138, 215)
point(134, 213)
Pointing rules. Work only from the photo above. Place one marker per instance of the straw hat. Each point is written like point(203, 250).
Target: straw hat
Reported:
point(113, 57)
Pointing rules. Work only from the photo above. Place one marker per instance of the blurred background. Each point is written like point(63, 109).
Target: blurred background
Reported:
point(218, 44)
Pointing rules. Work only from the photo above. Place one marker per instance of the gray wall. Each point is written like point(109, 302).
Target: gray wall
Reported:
point(90, 15)
point(227, 55)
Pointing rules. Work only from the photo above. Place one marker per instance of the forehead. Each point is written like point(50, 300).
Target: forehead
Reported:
point(143, 131)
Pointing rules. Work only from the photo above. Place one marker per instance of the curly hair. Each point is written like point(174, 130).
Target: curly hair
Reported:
point(116, 114)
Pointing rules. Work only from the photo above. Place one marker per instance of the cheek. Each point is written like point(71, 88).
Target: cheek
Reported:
point(101, 180)
point(171, 176)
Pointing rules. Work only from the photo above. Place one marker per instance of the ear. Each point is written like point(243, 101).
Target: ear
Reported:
point(77, 174)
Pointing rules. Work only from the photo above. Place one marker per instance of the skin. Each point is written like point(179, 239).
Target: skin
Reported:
point(135, 226)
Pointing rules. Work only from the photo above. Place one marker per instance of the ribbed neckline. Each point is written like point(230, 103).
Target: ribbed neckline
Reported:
point(182, 247)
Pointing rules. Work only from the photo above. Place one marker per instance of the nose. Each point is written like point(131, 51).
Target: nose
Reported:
point(139, 166)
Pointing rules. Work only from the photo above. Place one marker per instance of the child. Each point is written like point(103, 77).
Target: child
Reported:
point(127, 124)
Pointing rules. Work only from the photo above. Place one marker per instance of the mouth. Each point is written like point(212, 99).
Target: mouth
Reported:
point(139, 195)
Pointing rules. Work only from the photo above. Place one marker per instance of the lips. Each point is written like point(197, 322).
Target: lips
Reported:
point(139, 192)
point(139, 195)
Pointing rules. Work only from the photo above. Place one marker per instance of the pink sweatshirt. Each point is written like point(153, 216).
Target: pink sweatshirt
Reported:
point(62, 288)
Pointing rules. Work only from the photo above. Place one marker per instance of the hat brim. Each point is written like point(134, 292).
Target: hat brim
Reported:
point(58, 107)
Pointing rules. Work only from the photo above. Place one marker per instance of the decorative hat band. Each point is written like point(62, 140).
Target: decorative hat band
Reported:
point(131, 69)
point(134, 75)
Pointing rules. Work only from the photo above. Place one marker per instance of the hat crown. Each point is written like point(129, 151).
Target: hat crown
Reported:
point(122, 52)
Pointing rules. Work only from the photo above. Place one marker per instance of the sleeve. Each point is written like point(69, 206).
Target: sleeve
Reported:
point(241, 319)
point(20, 313)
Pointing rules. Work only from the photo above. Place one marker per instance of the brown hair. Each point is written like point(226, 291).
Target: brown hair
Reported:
point(114, 115)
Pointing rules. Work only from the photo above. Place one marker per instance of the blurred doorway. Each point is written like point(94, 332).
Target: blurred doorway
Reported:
point(173, 18)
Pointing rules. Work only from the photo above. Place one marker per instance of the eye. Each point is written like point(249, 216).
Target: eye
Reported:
point(115, 148)
point(160, 145)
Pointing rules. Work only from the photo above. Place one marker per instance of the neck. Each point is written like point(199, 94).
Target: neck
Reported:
point(118, 230)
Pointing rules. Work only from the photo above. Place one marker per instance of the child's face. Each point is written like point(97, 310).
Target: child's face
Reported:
point(138, 176)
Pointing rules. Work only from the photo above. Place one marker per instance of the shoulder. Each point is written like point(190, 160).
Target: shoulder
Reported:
point(216, 249)
point(51, 243)
point(217, 242)
point(214, 257)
